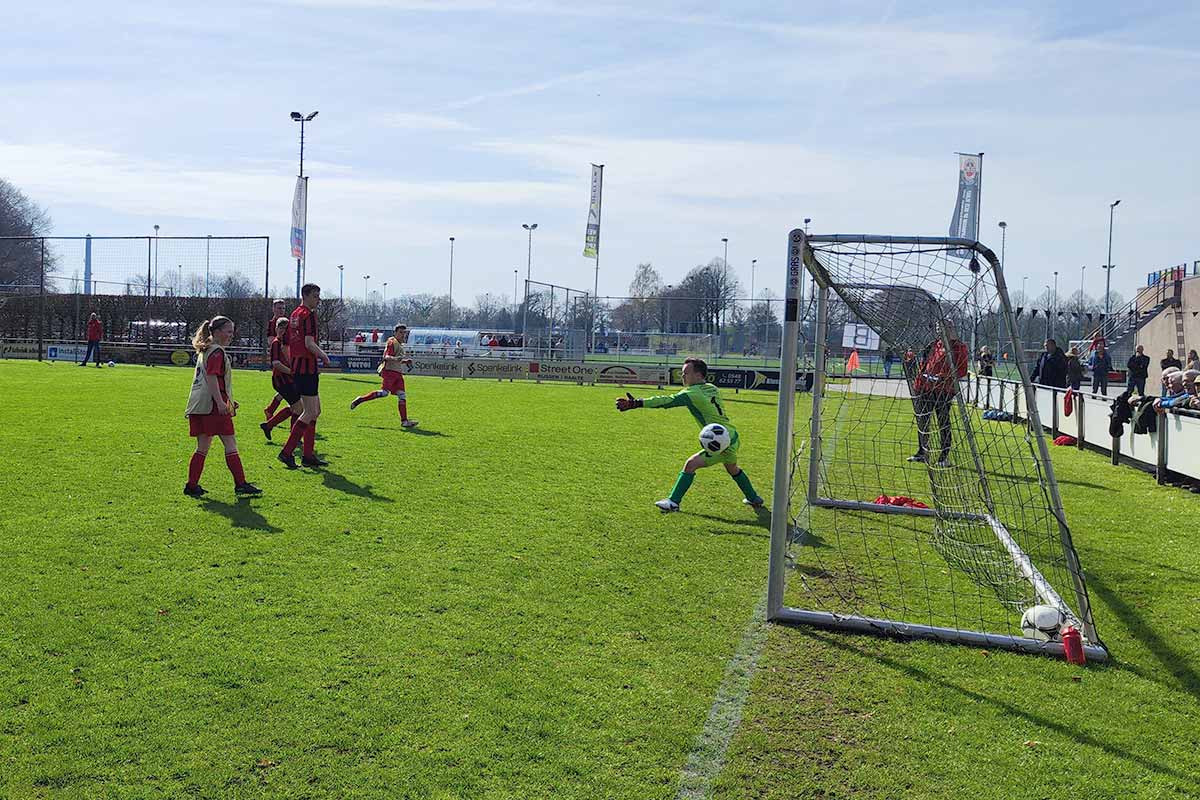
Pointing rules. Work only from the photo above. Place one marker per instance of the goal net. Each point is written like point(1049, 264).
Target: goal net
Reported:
point(898, 509)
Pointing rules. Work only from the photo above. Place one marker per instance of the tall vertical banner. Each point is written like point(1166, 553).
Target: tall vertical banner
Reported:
point(591, 241)
point(965, 222)
point(299, 206)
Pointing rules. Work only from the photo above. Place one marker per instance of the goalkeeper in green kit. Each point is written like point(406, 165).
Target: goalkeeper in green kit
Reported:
point(704, 401)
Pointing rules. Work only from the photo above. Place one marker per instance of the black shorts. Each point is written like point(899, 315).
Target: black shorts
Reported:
point(308, 384)
point(287, 389)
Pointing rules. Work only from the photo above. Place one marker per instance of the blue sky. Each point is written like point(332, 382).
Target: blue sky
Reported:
point(738, 120)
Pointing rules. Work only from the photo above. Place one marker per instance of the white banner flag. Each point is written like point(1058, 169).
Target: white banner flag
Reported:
point(299, 211)
point(965, 222)
point(591, 241)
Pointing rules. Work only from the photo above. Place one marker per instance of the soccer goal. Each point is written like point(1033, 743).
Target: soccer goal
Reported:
point(897, 508)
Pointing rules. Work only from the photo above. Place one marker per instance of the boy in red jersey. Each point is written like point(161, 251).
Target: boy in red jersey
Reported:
point(278, 308)
point(389, 370)
point(211, 407)
point(281, 380)
point(306, 354)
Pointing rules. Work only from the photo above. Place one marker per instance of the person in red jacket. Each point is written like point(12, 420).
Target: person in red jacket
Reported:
point(934, 386)
point(95, 332)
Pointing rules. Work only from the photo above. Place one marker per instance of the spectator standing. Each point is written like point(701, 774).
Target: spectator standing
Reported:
point(1074, 368)
point(1100, 364)
point(1170, 361)
point(889, 358)
point(375, 336)
point(1193, 361)
point(987, 362)
point(1051, 367)
point(95, 332)
point(1138, 366)
point(934, 388)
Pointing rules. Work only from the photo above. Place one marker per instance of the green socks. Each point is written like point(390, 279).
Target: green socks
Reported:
point(743, 482)
point(682, 484)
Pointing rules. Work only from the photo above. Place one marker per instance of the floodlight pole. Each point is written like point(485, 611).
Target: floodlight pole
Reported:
point(450, 309)
point(341, 268)
point(1108, 267)
point(156, 261)
point(302, 119)
point(531, 227)
point(721, 320)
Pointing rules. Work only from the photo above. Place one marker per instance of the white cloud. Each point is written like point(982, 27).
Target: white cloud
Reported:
point(423, 122)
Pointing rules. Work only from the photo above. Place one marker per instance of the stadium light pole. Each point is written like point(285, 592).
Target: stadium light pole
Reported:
point(450, 309)
point(721, 321)
point(514, 297)
point(366, 292)
point(385, 283)
point(207, 261)
point(1049, 311)
point(341, 268)
point(528, 273)
point(302, 119)
point(1108, 267)
point(668, 308)
point(1056, 292)
point(156, 261)
point(1082, 329)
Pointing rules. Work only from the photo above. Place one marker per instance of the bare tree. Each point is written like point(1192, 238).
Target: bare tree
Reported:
point(234, 285)
point(21, 261)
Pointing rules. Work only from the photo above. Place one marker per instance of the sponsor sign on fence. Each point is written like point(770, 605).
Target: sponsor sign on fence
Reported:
point(763, 379)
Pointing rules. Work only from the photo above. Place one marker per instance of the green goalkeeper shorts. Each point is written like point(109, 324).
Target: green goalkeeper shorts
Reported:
point(726, 456)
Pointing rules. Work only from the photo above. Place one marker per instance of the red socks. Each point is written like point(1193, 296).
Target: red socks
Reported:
point(310, 439)
point(298, 427)
point(403, 406)
point(195, 468)
point(274, 405)
point(375, 395)
point(279, 417)
point(234, 462)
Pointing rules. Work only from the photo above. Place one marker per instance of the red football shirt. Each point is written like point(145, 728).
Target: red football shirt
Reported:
point(936, 374)
point(214, 364)
point(280, 354)
point(304, 323)
point(95, 331)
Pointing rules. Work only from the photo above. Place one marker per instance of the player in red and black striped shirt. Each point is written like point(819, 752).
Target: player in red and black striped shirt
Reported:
point(281, 379)
point(277, 310)
point(305, 354)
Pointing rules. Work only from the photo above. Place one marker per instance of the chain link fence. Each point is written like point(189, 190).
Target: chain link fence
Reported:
point(150, 293)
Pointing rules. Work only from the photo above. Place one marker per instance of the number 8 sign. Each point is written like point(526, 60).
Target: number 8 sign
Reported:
point(859, 337)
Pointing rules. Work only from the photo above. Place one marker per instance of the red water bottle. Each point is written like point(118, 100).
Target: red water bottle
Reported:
point(1073, 646)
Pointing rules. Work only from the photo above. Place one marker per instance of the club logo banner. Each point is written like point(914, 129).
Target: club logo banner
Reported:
point(591, 241)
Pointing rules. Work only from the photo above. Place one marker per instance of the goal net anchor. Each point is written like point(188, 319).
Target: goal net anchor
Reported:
point(994, 540)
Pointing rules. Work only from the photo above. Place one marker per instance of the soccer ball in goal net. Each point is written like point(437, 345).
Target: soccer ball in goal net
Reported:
point(898, 509)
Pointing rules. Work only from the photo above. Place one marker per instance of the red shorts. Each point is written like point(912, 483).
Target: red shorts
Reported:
point(392, 381)
point(213, 424)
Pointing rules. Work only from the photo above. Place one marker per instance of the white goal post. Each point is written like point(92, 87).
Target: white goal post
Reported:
point(951, 545)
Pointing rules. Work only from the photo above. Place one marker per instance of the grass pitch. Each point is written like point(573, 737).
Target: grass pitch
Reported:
point(490, 607)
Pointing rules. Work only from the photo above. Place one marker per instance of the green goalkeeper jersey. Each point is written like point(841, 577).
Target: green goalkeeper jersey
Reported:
point(702, 399)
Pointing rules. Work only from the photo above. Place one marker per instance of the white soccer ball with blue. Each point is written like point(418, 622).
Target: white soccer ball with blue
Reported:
point(1043, 623)
point(714, 438)
point(112, 363)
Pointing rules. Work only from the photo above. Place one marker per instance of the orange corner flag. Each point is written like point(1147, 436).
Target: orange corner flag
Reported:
point(852, 362)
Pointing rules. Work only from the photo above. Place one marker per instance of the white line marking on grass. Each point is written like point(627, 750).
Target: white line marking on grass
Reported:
point(707, 757)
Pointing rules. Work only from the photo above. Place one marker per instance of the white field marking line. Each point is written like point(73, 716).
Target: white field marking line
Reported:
point(707, 756)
